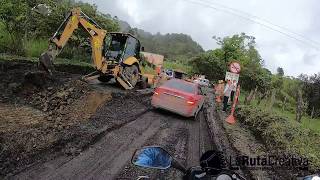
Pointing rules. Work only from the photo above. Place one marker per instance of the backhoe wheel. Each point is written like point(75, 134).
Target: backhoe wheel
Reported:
point(104, 78)
point(143, 84)
point(132, 74)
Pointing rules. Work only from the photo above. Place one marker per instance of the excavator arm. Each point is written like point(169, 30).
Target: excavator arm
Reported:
point(127, 73)
point(72, 22)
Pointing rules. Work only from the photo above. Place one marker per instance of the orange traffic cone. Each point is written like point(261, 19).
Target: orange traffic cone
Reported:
point(231, 119)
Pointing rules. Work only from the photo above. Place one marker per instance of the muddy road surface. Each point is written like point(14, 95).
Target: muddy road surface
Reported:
point(109, 157)
point(63, 128)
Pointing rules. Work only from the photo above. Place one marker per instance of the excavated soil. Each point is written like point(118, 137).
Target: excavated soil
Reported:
point(42, 116)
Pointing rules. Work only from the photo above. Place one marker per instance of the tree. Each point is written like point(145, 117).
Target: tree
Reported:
point(311, 93)
point(178, 47)
point(239, 48)
point(209, 64)
point(13, 15)
point(280, 71)
point(21, 24)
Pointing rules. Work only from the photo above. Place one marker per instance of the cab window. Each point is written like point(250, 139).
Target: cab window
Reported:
point(114, 46)
point(131, 48)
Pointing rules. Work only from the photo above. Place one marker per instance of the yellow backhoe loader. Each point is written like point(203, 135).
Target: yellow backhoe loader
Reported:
point(115, 55)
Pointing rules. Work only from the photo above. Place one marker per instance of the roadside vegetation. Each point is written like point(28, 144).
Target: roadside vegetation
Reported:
point(282, 111)
point(170, 64)
point(282, 135)
point(25, 32)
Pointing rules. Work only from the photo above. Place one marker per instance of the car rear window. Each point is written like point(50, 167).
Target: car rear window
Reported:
point(180, 85)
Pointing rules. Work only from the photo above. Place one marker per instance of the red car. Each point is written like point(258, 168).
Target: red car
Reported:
point(178, 96)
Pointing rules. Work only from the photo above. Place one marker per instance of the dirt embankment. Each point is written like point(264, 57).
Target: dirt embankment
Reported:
point(41, 116)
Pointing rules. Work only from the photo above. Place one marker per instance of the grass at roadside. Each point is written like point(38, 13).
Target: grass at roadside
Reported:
point(306, 121)
point(6, 57)
point(35, 47)
point(176, 65)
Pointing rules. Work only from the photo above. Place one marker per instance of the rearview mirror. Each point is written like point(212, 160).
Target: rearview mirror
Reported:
point(152, 157)
point(224, 177)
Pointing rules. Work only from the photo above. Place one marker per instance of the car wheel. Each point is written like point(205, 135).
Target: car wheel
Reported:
point(143, 84)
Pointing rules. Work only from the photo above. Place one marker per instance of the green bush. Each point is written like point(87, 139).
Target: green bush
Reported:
point(169, 64)
point(282, 134)
point(5, 40)
point(35, 47)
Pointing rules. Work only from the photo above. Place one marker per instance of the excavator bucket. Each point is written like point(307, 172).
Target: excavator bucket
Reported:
point(125, 85)
point(46, 62)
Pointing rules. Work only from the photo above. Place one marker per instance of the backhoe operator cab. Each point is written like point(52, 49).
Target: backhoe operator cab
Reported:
point(121, 49)
point(120, 46)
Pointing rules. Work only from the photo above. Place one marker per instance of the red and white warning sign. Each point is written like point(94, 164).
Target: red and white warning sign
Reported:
point(235, 67)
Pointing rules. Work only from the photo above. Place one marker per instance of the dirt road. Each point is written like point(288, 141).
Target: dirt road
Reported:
point(109, 158)
point(67, 129)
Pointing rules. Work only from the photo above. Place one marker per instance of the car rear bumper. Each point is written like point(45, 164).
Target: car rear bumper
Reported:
point(186, 111)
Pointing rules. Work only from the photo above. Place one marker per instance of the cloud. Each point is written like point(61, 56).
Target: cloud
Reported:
point(310, 59)
point(203, 22)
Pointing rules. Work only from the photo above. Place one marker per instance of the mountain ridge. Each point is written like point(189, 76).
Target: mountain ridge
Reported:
point(174, 46)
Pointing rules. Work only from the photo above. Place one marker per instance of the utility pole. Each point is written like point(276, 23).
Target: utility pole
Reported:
point(225, 60)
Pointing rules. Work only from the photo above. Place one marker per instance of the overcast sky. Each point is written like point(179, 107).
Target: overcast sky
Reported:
point(204, 21)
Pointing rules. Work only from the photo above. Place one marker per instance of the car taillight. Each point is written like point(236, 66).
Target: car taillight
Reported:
point(191, 102)
point(156, 91)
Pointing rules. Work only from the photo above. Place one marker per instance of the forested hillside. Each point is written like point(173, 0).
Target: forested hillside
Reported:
point(174, 46)
point(26, 32)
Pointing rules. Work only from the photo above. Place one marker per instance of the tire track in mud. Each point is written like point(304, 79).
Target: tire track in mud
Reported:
point(193, 142)
point(106, 157)
point(172, 136)
point(183, 137)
